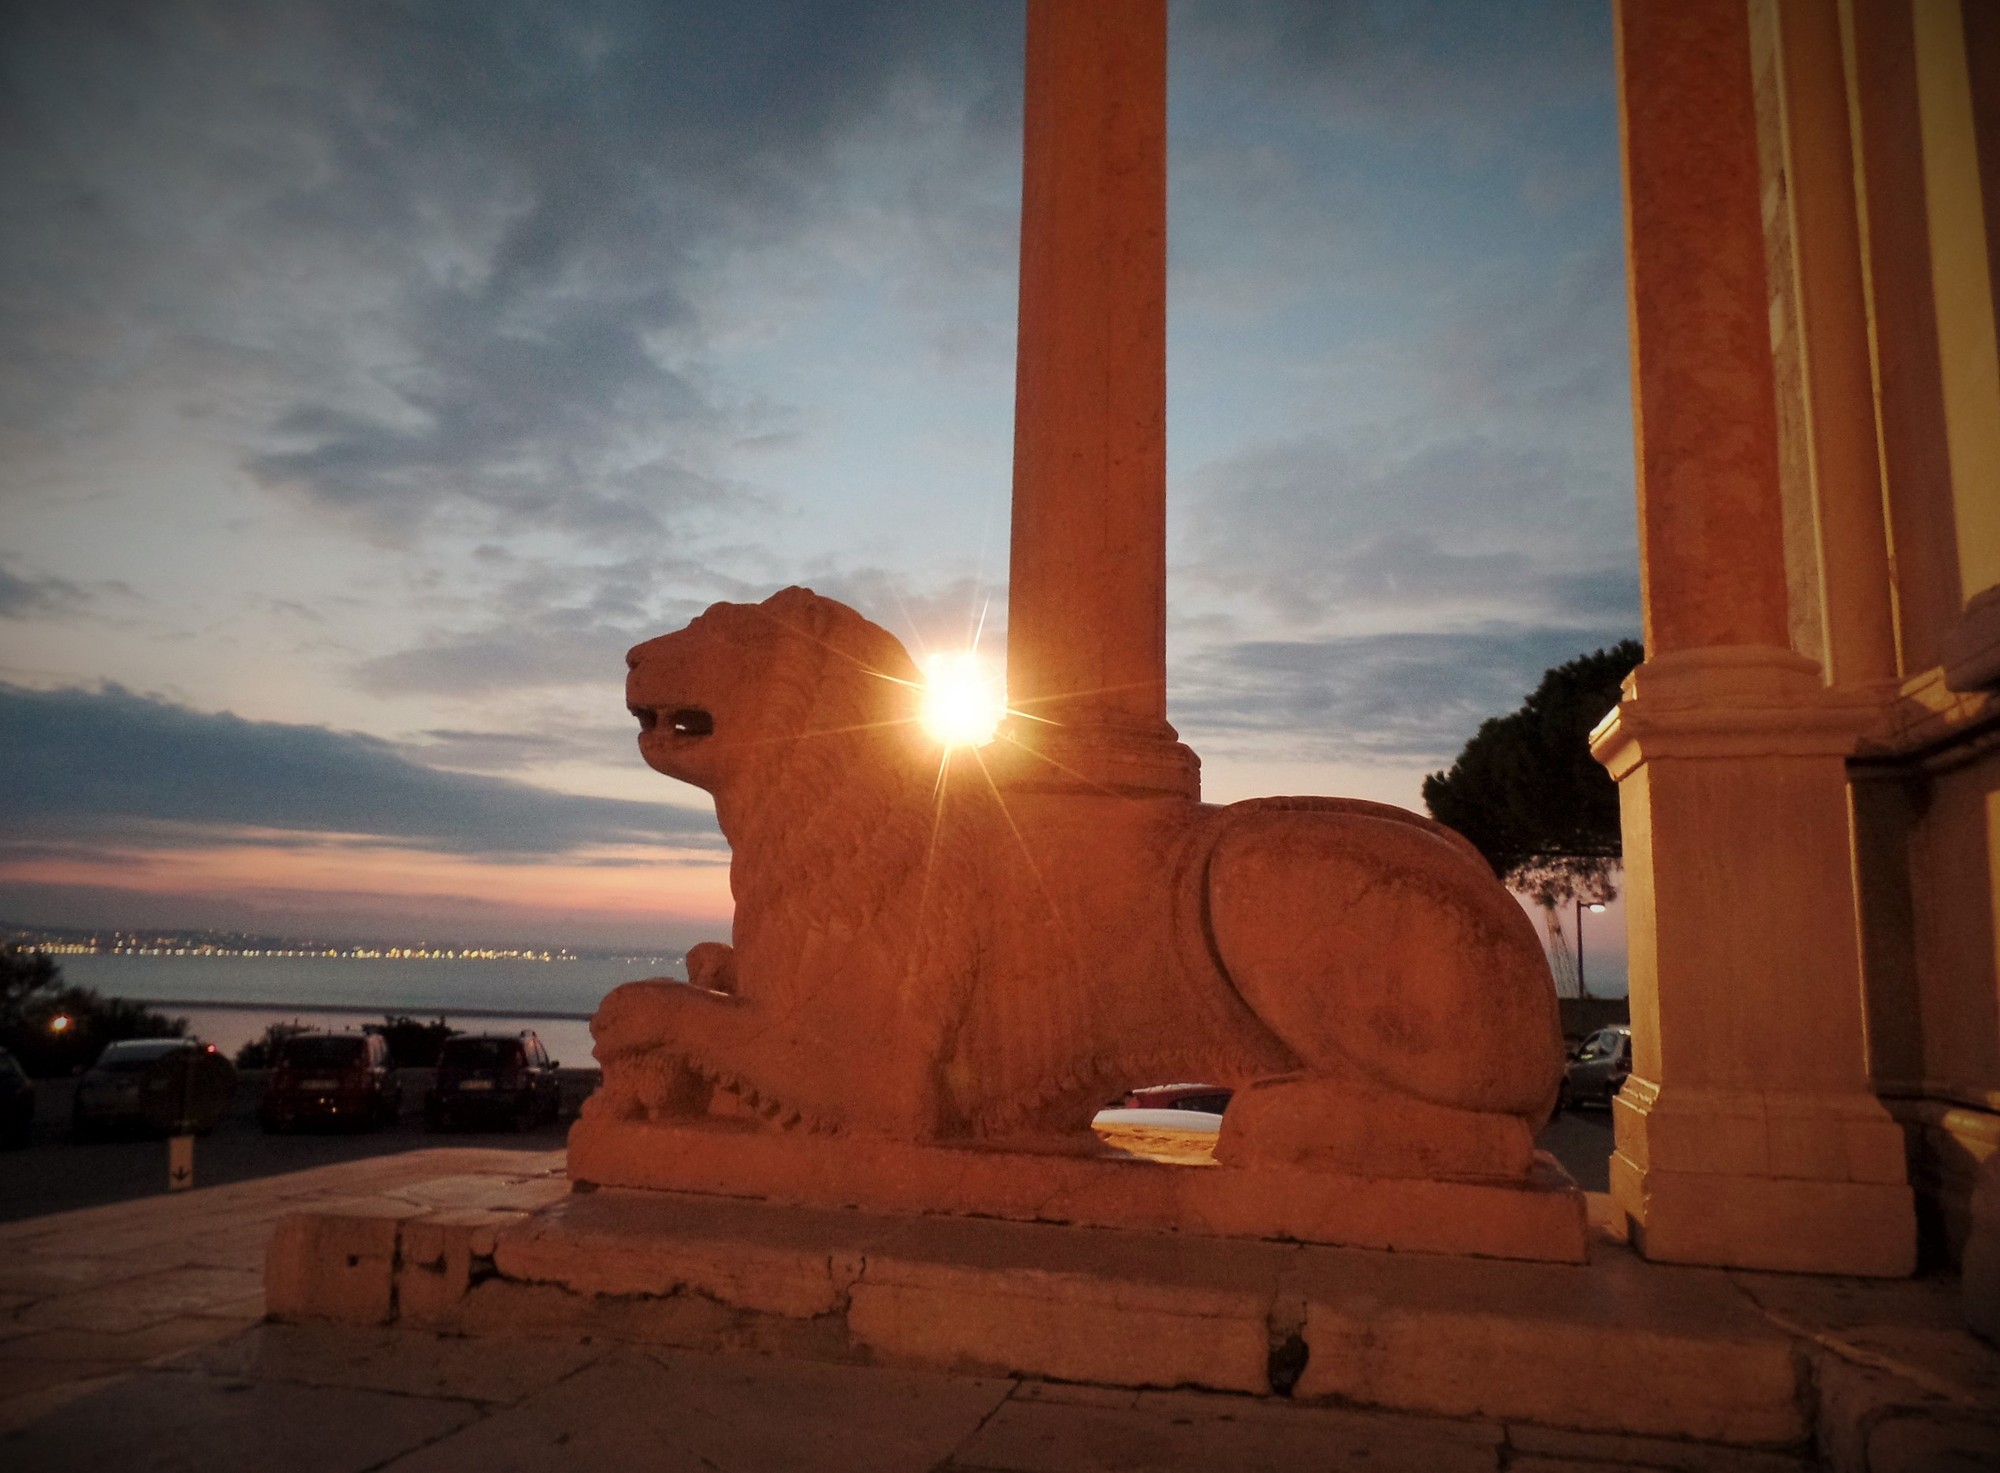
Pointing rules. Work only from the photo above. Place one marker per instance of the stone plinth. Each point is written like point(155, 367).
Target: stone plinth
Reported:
point(1614, 1346)
point(1748, 1134)
point(1540, 1218)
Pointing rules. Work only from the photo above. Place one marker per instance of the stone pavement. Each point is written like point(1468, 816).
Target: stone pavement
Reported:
point(130, 1338)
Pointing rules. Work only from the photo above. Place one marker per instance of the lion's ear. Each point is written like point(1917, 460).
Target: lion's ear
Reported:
point(798, 608)
point(791, 600)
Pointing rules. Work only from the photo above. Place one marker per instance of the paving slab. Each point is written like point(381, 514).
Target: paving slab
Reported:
point(1558, 1447)
point(670, 1411)
point(173, 1422)
point(1214, 1432)
point(34, 1273)
point(132, 1304)
point(29, 1402)
point(406, 1363)
point(149, 1299)
point(1887, 1379)
point(131, 1348)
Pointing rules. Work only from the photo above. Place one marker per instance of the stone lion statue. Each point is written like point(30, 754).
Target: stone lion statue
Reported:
point(923, 953)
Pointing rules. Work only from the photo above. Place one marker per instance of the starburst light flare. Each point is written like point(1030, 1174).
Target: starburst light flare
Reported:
point(964, 698)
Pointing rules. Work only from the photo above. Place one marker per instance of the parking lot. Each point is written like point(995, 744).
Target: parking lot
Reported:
point(56, 1172)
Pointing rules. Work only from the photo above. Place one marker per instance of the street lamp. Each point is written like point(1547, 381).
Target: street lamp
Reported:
point(1597, 907)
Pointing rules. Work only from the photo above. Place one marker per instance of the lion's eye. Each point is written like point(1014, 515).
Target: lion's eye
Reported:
point(692, 721)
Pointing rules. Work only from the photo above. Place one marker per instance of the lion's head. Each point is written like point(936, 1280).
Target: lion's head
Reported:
point(747, 692)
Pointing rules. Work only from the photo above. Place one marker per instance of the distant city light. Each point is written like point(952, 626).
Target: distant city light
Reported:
point(59, 1023)
point(964, 698)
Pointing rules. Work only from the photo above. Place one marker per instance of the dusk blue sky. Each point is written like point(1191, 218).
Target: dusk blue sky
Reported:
point(372, 375)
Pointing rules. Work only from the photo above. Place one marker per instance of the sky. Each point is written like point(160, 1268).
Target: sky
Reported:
point(372, 375)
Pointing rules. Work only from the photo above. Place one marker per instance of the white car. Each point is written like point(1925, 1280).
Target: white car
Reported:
point(1598, 1070)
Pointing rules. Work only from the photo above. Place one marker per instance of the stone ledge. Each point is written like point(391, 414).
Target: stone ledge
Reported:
point(1540, 1219)
point(1616, 1346)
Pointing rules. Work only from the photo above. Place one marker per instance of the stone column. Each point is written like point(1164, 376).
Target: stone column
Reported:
point(1960, 175)
point(1748, 1134)
point(1086, 610)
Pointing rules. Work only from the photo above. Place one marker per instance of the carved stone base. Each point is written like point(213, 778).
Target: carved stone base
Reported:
point(1749, 1135)
point(1795, 1182)
point(1139, 760)
point(1541, 1218)
point(1616, 1346)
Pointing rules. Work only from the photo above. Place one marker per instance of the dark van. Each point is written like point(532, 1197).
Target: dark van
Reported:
point(332, 1079)
point(494, 1079)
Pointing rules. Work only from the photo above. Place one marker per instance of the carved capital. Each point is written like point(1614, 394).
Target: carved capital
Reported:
point(1731, 701)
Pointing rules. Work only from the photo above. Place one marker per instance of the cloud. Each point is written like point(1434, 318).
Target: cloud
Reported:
point(1423, 531)
point(1418, 69)
point(555, 647)
point(30, 597)
point(551, 623)
point(448, 261)
point(110, 763)
point(1389, 697)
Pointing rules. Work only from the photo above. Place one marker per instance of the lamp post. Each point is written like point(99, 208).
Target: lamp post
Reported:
point(1595, 906)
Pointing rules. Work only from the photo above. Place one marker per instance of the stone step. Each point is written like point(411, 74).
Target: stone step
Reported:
point(1612, 1345)
point(1134, 1186)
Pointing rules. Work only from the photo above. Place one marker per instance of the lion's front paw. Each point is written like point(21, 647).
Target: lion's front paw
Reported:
point(664, 1086)
point(712, 965)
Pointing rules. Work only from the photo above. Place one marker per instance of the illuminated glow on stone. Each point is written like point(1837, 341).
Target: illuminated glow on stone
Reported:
point(964, 698)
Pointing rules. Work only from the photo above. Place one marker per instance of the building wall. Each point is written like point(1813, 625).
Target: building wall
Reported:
point(1879, 147)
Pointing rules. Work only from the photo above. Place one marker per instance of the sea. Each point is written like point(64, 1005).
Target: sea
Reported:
point(230, 1000)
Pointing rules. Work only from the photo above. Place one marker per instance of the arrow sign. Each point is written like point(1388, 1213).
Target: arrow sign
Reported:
point(180, 1163)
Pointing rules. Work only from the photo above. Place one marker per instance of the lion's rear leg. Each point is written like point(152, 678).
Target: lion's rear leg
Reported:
point(1407, 982)
point(1356, 1129)
point(1383, 954)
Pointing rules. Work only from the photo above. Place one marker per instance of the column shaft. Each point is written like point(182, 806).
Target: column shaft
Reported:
point(1086, 610)
point(1086, 617)
point(1711, 536)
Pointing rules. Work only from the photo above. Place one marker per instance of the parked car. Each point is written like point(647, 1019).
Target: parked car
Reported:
point(155, 1084)
point(493, 1079)
point(17, 1101)
point(332, 1079)
point(1208, 1099)
point(1598, 1069)
point(1183, 1107)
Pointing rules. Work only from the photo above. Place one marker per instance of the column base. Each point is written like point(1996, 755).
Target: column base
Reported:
point(1801, 1183)
point(1143, 761)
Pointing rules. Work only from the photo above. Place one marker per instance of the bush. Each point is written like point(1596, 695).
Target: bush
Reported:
point(55, 1028)
point(412, 1045)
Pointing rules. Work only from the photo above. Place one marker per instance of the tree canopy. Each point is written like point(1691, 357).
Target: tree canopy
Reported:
point(1529, 795)
point(33, 995)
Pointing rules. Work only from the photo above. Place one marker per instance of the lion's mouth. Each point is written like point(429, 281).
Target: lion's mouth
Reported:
point(682, 721)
